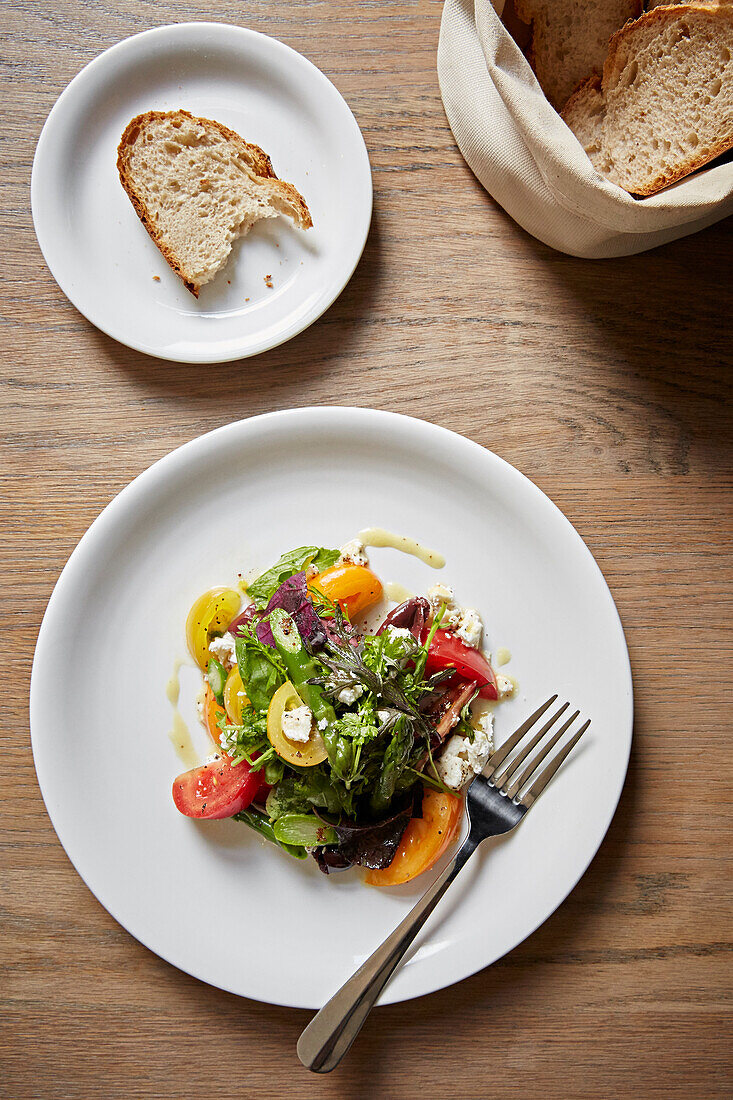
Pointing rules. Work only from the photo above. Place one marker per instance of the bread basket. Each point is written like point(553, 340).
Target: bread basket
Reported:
point(532, 164)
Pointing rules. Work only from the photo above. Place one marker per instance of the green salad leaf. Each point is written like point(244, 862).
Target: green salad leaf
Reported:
point(299, 792)
point(307, 830)
point(377, 749)
point(286, 798)
point(344, 740)
point(260, 667)
point(263, 588)
point(394, 763)
point(239, 742)
point(261, 825)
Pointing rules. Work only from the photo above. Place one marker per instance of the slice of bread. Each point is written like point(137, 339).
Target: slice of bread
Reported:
point(584, 113)
point(197, 186)
point(569, 39)
point(664, 107)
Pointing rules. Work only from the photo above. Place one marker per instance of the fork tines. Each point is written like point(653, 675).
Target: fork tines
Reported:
point(507, 780)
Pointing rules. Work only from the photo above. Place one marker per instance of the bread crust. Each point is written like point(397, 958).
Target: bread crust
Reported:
point(256, 158)
point(592, 81)
point(663, 14)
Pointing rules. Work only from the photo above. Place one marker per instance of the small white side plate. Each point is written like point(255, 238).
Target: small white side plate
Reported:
point(102, 257)
point(213, 898)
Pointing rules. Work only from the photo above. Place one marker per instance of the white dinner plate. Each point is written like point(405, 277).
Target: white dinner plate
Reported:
point(98, 250)
point(212, 897)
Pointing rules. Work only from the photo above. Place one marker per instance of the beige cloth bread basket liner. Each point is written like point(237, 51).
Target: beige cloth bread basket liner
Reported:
point(532, 164)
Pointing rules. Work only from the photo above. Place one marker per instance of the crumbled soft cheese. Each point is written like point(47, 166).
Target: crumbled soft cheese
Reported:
point(504, 686)
point(440, 593)
point(465, 621)
point(228, 741)
point(349, 695)
point(441, 597)
point(484, 726)
point(346, 689)
point(311, 571)
point(400, 632)
point(322, 723)
point(353, 553)
point(462, 758)
point(384, 715)
point(297, 723)
point(224, 649)
point(469, 627)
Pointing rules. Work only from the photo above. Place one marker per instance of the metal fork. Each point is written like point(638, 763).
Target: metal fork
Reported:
point(495, 803)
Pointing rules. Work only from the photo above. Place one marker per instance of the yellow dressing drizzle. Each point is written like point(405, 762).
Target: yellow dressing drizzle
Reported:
point(180, 738)
point(377, 536)
point(397, 592)
point(173, 687)
point(180, 735)
point(503, 656)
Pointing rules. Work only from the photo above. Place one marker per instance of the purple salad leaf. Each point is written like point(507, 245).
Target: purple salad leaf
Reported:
point(373, 844)
point(292, 596)
point(330, 860)
point(250, 612)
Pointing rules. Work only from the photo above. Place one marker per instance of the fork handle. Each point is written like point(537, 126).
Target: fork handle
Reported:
point(331, 1032)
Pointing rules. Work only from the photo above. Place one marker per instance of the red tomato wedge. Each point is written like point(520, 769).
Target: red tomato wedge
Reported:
point(218, 789)
point(447, 650)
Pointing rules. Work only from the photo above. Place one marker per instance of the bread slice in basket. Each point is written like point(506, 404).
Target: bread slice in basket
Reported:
point(569, 39)
point(197, 186)
point(664, 106)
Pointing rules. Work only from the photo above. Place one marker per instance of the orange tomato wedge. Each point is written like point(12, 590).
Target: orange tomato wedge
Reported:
point(353, 587)
point(423, 841)
point(212, 714)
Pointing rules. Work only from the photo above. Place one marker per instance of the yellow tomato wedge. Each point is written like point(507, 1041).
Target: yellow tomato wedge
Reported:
point(303, 753)
point(423, 841)
point(353, 587)
point(210, 615)
point(234, 697)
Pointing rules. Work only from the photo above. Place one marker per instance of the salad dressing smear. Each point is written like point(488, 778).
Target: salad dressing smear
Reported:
point(377, 536)
point(180, 735)
point(173, 687)
point(396, 592)
point(180, 738)
point(503, 656)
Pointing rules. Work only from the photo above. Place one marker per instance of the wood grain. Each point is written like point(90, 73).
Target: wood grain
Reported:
point(606, 382)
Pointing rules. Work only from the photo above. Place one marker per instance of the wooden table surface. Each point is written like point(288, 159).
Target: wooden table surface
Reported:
point(605, 382)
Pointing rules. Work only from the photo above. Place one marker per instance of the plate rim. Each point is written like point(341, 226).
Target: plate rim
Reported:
point(43, 229)
point(324, 413)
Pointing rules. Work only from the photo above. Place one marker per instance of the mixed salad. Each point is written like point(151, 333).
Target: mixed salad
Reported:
point(330, 739)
